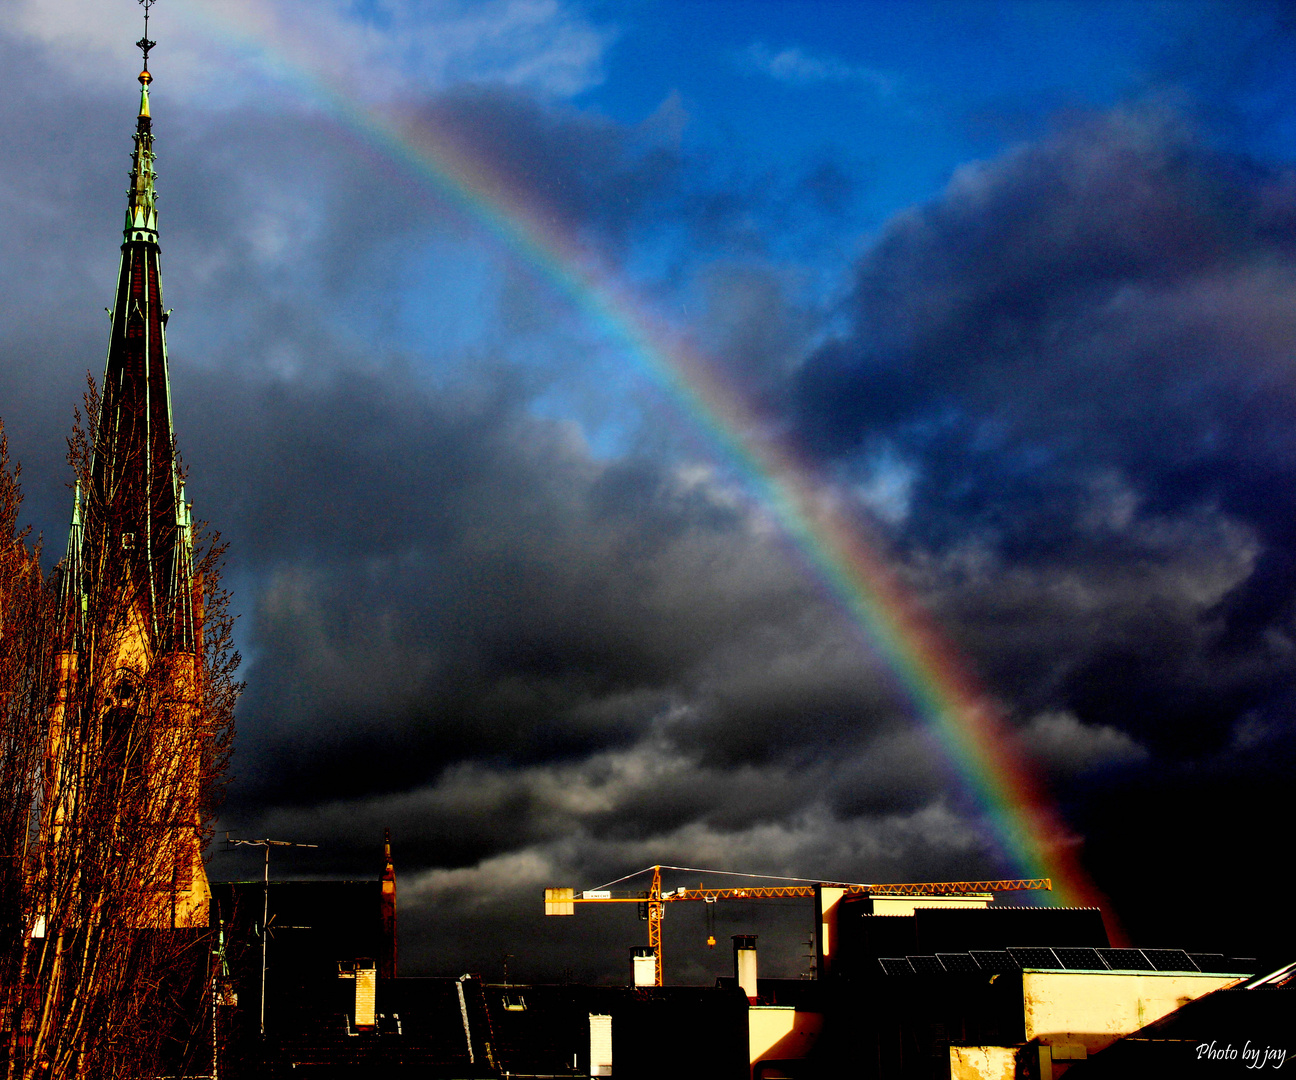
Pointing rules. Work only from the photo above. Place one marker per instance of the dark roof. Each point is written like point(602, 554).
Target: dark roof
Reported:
point(806, 994)
point(445, 1027)
point(538, 1029)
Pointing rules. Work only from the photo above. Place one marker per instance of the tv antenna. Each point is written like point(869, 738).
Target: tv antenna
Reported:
point(267, 844)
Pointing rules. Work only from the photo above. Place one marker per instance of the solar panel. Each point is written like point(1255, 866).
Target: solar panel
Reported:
point(1076, 958)
point(1169, 960)
point(1209, 961)
point(958, 963)
point(1125, 960)
point(927, 965)
point(1034, 956)
point(896, 965)
point(995, 961)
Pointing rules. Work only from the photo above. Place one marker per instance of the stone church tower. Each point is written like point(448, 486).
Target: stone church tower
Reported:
point(125, 721)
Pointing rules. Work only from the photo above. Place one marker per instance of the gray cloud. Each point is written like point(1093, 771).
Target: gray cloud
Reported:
point(1062, 741)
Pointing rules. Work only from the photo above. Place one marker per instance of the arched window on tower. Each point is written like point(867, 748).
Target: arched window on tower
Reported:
point(123, 737)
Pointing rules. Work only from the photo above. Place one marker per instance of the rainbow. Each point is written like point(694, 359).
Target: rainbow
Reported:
point(972, 731)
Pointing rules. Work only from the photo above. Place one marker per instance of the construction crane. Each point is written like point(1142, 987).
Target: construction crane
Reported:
point(653, 902)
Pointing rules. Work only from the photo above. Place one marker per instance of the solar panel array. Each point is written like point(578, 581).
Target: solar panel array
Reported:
point(927, 965)
point(1079, 958)
point(958, 963)
point(1062, 958)
point(896, 965)
point(1035, 956)
point(1169, 959)
point(994, 961)
point(1126, 960)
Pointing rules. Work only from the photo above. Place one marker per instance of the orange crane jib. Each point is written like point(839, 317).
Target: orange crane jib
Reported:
point(563, 901)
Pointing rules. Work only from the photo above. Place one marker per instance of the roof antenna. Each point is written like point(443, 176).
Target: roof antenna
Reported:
point(144, 43)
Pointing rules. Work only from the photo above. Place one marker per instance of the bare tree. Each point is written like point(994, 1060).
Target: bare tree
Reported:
point(26, 620)
point(116, 736)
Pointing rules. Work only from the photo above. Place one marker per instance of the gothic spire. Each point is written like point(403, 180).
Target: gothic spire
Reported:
point(133, 506)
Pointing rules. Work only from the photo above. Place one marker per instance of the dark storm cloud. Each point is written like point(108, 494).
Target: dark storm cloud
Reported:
point(1086, 347)
point(62, 182)
point(1081, 360)
point(448, 580)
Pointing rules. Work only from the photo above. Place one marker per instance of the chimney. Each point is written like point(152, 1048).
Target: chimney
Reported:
point(387, 913)
point(828, 900)
point(365, 976)
point(645, 965)
point(744, 946)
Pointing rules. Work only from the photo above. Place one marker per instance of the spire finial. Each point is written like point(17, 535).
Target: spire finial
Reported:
point(144, 43)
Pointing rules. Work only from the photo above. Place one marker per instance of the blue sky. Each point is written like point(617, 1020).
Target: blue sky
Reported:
point(908, 91)
point(1013, 279)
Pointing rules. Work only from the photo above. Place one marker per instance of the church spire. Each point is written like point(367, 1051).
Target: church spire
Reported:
point(133, 505)
point(128, 724)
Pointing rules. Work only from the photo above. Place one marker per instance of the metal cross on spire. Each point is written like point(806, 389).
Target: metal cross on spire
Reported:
point(144, 43)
